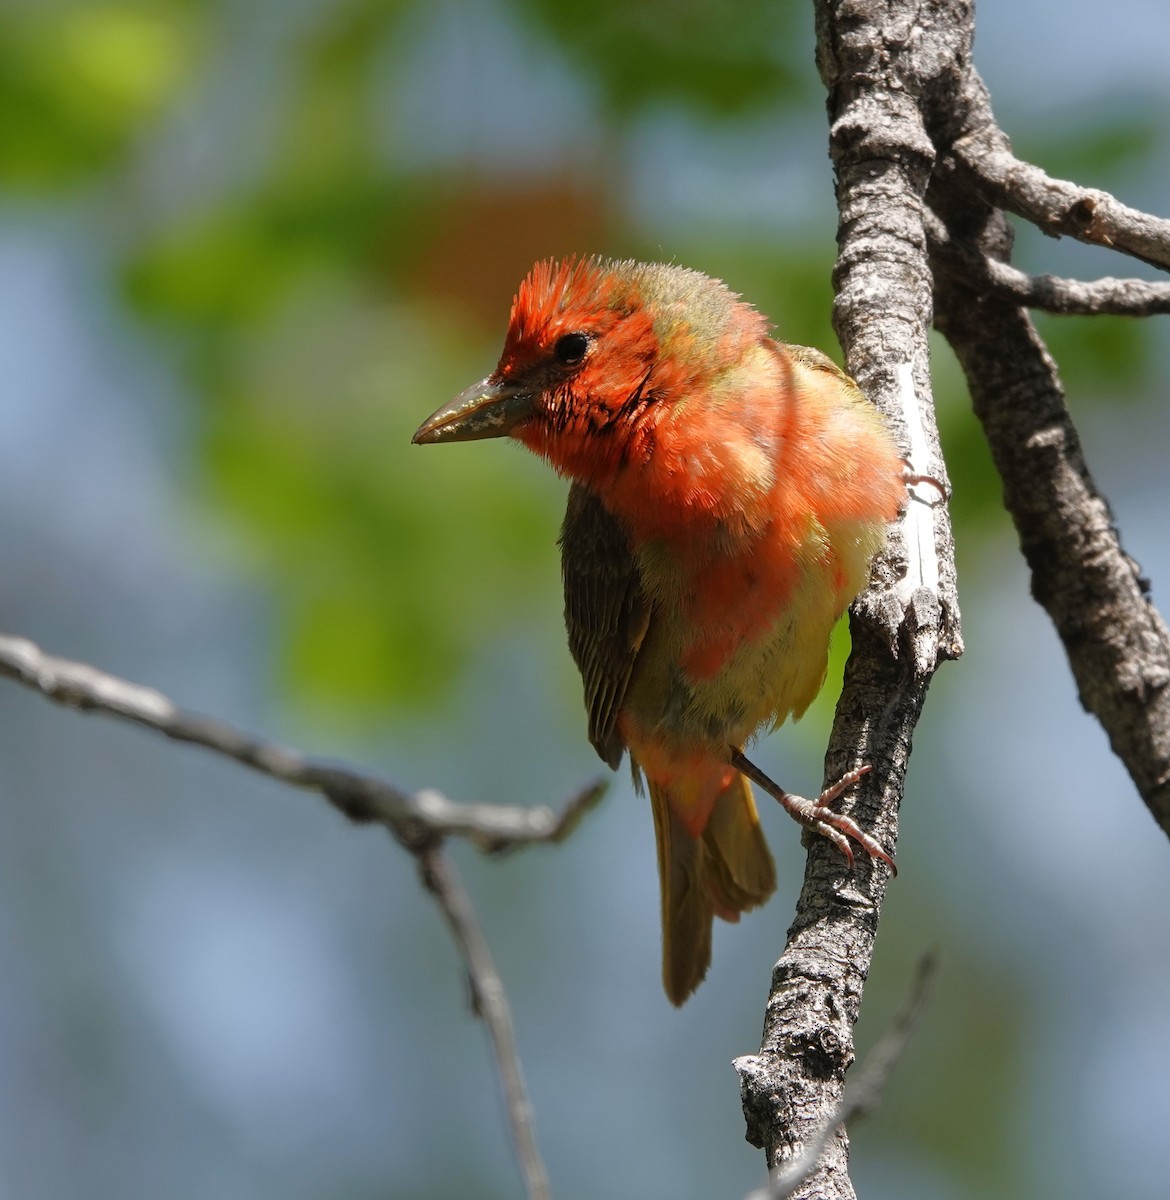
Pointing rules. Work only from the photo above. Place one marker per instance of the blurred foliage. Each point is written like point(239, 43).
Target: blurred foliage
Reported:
point(79, 83)
point(328, 293)
point(686, 52)
point(1109, 356)
point(1101, 148)
point(327, 296)
point(387, 571)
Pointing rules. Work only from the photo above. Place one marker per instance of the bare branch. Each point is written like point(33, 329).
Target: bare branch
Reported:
point(908, 621)
point(908, 107)
point(420, 821)
point(1115, 639)
point(1107, 296)
point(864, 1091)
point(1117, 642)
point(1056, 206)
point(1050, 293)
point(413, 817)
point(490, 1002)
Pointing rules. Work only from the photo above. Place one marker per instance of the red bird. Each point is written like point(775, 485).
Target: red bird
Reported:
point(729, 493)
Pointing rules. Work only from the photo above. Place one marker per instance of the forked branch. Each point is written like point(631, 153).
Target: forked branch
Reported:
point(420, 821)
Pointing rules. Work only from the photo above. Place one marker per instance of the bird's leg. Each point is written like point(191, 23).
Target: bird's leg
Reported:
point(816, 814)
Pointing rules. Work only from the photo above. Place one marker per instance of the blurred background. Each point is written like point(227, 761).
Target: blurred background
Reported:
point(245, 247)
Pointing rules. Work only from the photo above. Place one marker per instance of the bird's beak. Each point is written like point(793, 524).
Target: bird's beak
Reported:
point(485, 410)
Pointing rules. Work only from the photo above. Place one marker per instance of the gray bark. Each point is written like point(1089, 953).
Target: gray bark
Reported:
point(923, 176)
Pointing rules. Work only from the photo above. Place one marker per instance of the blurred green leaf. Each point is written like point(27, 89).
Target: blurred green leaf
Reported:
point(78, 81)
point(697, 53)
point(1095, 147)
point(1106, 355)
point(229, 268)
point(389, 562)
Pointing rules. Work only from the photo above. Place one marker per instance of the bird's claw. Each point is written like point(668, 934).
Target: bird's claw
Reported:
point(910, 478)
point(816, 814)
point(838, 828)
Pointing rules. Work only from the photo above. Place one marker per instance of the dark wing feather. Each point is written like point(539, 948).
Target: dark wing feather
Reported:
point(606, 612)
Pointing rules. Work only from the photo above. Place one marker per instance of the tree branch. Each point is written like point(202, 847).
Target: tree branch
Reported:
point(420, 821)
point(413, 817)
point(864, 1091)
point(908, 622)
point(909, 112)
point(490, 1002)
point(1055, 206)
point(1116, 641)
point(1050, 293)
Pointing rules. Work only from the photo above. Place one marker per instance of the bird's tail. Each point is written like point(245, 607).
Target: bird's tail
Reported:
point(724, 871)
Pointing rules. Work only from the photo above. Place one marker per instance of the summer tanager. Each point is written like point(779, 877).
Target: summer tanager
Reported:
point(728, 495)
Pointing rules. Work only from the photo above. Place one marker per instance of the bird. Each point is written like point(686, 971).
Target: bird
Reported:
point(728, 493)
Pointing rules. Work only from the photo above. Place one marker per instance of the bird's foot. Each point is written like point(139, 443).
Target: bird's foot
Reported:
point(816, 814)
point(911, 478)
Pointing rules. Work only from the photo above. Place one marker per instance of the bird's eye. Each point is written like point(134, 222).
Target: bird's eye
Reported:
point(570, 349)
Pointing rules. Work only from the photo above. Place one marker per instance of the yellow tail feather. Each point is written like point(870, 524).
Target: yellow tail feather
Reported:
point(723, 872)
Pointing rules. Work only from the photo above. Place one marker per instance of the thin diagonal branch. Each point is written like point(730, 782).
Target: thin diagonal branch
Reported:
point(420, 821)
point(1049, 293)
point(864, 1091)
point(1056, 206)
point(489, 1002)
point(413, 817)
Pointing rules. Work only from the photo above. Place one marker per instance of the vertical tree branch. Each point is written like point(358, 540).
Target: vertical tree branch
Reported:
point(865, 1089)
point(876, 71)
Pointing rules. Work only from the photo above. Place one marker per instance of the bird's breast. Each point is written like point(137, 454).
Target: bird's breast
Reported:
point(740, 637)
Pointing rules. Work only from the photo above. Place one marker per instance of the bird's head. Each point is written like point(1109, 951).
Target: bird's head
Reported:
point(594, 349)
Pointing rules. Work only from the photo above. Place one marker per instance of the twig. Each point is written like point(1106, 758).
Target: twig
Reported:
point(489, 1002)
point(1050, 293)
point(1075, 297)
point(413, 817)
point(1057, 206)
point(864, 1090)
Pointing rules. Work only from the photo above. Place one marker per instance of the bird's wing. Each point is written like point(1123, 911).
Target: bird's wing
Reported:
point(816, 360)
point(606, 612)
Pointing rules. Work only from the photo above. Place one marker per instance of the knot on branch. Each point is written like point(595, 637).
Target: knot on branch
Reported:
point(823, 1053)
point(1081, 220)
point(762, 1105)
